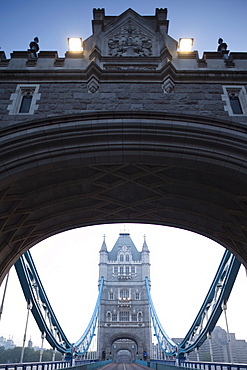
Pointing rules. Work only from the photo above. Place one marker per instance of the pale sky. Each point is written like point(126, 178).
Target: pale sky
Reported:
point(53, 21)
point(183, 265)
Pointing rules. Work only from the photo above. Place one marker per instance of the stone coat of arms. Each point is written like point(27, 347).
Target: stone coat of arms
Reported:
point(130, 40)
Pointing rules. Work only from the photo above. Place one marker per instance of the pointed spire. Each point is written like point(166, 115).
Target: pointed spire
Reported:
point(103, 247)
point(145, 247)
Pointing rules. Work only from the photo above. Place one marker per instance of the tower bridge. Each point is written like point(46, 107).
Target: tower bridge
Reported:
point(131, 129)
point(124, 314)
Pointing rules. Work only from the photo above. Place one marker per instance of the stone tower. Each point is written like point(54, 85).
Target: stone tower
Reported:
point(124, 329)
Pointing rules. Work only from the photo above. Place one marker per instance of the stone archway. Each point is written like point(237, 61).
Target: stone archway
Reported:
point(127, 342)
point(123, 356)
point(124, 350)
point(103, 167)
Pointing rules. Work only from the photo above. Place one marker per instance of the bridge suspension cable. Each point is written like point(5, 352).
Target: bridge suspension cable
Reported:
point(208, 314)
point(43, 313)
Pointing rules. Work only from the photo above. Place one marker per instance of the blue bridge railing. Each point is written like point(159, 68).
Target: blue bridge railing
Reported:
point(157, 365)
point(36, 365)
point(213, 365)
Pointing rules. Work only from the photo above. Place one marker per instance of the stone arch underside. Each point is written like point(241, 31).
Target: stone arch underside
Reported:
point(104, 167)
point(133, 337)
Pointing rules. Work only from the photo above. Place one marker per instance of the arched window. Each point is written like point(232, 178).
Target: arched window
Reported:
point(121, 258)
point(139, 317)
point(127, 258)
point(124, 293)
point(108, 316)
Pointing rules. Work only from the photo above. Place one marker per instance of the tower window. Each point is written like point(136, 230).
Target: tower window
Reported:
point(121, 258)
point(115, 270)
point(127, 270)
point(127, 258)
point(124, 293)
point(26, 102)
point(114, 317)
point(24, 99)
point(121, 270)
point(235, 98)
point(111, 296)
point(133, 269)
point(235, 104)
point(137, 295)
point(134, 317)
point(124, 316)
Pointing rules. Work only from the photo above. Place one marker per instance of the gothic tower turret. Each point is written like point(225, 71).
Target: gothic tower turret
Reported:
point(145, 259)
point(103, 259)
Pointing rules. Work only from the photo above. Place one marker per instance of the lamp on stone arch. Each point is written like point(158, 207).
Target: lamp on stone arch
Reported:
point(185, 44)
point(75, 43)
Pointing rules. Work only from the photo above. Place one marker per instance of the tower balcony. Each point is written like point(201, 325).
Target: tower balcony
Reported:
point(124, 302)
point(124, 276)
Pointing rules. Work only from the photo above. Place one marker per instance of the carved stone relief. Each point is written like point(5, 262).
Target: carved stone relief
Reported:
point(130, 40)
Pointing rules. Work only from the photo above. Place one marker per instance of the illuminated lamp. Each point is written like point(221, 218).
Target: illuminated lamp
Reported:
point(75, 43)
point(186, 44)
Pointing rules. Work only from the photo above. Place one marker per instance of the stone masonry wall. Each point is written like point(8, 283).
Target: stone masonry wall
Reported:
point(70, 98)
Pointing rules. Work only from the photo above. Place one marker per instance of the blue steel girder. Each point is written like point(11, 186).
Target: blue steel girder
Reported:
point(43, 313)
point(82, 345)
point(212, 306)
point(207, 316)
point(41, 309)
point(167, 345)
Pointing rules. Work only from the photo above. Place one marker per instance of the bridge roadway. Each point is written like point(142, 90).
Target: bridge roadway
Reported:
point(123, 366)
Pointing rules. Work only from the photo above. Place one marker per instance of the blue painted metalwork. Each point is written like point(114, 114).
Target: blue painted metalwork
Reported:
point(208, 315)
point(152, 364)
point(212, 306)
point(42, 311)
point(212, 365)
point(203, 325)
point(88, 365)
point(82, 345)
point(167, 345)
point(36, 365)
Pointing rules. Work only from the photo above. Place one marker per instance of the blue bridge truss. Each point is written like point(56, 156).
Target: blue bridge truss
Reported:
point(43, 313)
point(208, 314)
point(201, 328)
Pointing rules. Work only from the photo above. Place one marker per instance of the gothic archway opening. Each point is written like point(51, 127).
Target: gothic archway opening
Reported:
point(124, 350)
point(123, 355)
